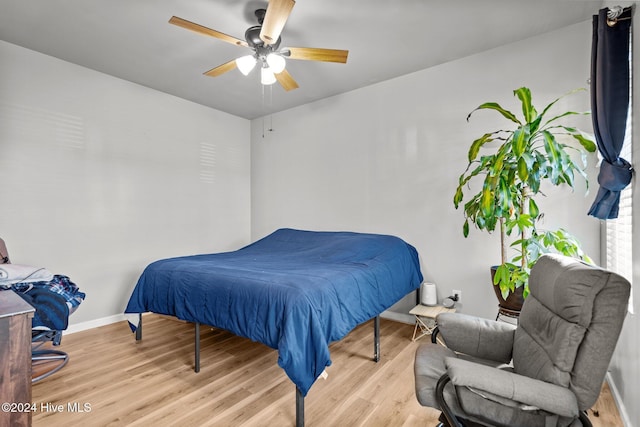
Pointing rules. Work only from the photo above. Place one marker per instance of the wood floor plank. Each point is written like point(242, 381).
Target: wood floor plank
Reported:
point(355, 413)
point(152, 382)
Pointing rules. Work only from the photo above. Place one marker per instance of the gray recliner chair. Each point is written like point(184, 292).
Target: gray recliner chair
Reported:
point(546, 371)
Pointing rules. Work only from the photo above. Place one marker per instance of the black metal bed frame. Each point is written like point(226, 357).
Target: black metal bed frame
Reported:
point(299, 395)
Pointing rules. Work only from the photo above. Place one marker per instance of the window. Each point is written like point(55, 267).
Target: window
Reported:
point(618, 232)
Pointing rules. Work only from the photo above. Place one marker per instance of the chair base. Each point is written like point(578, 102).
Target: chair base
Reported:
point(584, 419)
point(466, 423)
point(56, 358)
point(46, 362)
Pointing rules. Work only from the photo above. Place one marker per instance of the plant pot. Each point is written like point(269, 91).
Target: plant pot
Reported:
point(514, 300)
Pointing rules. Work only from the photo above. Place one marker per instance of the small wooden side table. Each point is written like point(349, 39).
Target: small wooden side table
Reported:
point(426, 319)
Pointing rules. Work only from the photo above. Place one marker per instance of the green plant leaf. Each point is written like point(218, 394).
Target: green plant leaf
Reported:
point(535, 124)
point(586, 179)
point(486, 201)
point(502, 274)
point(520, 140)
point(506, 278)
point(587, 143)
point(534, 211)
point(568, 176)
point(528, 158)
point(509, 225)
point(524, 94)
point(565, 114)
point(523, 169)
point(496, 168)
point(554, 162)
point(524, 221)
point(465, 228)
point(495, 106)
point(504, 197)
point(457, 198)
point(477, 144)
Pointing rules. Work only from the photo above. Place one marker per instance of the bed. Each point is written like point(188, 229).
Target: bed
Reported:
point(295, 291)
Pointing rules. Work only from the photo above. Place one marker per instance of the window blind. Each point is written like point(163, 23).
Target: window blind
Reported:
point(619, 250)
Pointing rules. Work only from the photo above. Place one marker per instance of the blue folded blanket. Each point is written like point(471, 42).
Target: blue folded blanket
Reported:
point(54, 301)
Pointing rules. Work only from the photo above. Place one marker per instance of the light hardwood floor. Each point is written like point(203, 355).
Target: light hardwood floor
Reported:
point(152, 382)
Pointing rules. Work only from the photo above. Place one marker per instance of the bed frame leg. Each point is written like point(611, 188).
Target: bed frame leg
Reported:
point(197, 347)
point(376, 339)
point(299, 408)
point(139, 328)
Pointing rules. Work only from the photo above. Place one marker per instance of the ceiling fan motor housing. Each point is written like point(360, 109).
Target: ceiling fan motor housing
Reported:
point(252, 36)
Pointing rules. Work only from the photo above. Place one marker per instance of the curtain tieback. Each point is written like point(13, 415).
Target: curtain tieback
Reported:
point(615, 176)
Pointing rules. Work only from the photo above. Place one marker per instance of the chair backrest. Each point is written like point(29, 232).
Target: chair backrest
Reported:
point(4, 253)
point(569, 325)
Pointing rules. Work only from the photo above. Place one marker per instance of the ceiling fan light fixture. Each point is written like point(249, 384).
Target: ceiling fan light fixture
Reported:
point(266, 76)
point(276, 63)
point(246, 63)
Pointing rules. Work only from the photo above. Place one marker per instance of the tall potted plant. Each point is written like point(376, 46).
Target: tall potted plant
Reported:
point(519, 161)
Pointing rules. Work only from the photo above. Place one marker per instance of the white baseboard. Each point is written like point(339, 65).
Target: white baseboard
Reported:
point(399, 317)
point(618, 401)
point(83, 326)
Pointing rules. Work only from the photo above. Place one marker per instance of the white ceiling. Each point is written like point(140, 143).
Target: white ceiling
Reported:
point(132, 40)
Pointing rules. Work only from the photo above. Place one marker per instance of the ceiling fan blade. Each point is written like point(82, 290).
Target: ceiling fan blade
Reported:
point(278, 12)
point(286, 81)
point(221, 69)
point(206, 31)
point(316, 54)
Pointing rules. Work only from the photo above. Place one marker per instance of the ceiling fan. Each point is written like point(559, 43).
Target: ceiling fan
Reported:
point(264, 39)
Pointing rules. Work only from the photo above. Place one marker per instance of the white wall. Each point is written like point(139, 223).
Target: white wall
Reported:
point(386, 158)
point(99, 176)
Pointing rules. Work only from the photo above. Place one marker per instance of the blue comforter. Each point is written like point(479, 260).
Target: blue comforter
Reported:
point(295, 291)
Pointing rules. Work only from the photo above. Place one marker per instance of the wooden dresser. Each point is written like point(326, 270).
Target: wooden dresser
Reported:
point(15, 359)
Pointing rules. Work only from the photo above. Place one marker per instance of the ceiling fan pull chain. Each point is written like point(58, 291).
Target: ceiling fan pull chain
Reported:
point(263, 109)
point(267, 101)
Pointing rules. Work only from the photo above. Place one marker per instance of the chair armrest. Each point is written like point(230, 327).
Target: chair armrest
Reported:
point(486, 339)
point(514, 387)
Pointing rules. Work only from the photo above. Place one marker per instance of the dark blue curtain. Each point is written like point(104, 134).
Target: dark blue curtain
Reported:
point(609, 107)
